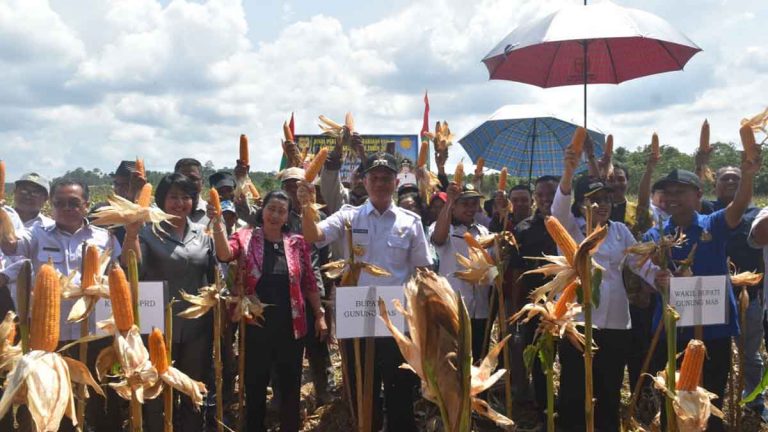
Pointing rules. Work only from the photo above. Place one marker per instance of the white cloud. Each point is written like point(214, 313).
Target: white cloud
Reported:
point(95, 81)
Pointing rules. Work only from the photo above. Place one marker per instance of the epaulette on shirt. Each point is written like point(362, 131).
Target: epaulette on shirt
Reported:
point(410, 213)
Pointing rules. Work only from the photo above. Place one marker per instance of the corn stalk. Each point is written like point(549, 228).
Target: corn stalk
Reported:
point(168, 391)
point(23, 291)
point(502, 324)
point(217, 361)
point(241, 272)
point(133, 280)
point(670, 323)
point(83, 348)
point(586, 286)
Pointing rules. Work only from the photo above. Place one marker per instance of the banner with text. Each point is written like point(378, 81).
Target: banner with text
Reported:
point(357, 311)
point(405, 147)
point(700, 300)
point(153, 296)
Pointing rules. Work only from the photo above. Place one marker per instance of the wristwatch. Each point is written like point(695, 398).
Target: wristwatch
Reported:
point(320, 311)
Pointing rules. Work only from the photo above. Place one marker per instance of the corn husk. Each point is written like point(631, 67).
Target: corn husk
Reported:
point(479, 267)
point(10, 354)
point(692, 408)
point(758, 123)
point(438, 350)
point(565, 272)
point(336, 130)
point(121, 212)
point(7, 232)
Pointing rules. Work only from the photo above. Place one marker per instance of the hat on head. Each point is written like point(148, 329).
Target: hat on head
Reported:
point(407, 188)
point(469, 191)
point(221, 179)
point(35, 179)
point(588, 185)
point(381, 160)
point(292, 173)
point(126, 168)
point(227, 205)
point(679, 176)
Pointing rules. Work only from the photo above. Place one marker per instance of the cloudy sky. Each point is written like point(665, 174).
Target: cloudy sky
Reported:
point(90, 82)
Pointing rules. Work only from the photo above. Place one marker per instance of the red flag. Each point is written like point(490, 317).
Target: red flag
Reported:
point(291, 127)
point(425, 125)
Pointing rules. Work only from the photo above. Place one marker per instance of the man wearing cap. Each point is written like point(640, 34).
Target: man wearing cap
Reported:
point(392, 238)
point(447, 236)
point(29, 196)
point(333, 191)
point(711, 233)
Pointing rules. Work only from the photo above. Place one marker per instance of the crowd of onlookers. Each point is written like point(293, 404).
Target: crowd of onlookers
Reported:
point(400, 228)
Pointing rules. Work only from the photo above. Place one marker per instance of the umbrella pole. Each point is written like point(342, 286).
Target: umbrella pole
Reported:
point(533, 145)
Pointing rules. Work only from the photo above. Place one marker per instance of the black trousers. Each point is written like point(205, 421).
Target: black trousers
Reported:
point(478, 334)
point(537, 372)
point(607, 376)
point(319, 356)
point(193, 357)
point(717, 366)
point(399, 385)
point(267, 349)
point(642, 333)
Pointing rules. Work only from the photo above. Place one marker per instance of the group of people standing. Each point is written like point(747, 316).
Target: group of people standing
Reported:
point(279, 247)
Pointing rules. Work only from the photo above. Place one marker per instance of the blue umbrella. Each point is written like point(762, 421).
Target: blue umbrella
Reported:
point(526, 146)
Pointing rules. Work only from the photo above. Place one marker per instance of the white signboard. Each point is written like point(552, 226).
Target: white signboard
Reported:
point(357, 311)
point(152, 300)
point(700, 300)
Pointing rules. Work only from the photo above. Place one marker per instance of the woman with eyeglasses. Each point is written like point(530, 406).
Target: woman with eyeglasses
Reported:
point(181, 254)
point(610, 318)
point(279, 272)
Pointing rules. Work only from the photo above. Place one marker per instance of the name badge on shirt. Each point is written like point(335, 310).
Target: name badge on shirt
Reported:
point(51, 249)
point(359, 231)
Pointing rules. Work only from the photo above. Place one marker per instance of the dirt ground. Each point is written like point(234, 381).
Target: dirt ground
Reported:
point(335, 416)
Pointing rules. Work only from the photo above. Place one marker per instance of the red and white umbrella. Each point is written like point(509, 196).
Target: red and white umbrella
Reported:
point(591, 44)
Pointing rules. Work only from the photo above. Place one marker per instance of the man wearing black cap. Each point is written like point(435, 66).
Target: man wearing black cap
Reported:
point(711, 234)
point(392, 238)
point(447, 236)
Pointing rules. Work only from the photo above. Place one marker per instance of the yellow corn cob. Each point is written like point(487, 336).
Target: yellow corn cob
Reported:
point(2, 180)
point(46, 307)
point(214, 200)
point(479, 166)
point(577, 141)
point(254, 191)
point(145, 196)
point(608, 153)
point(140, 167)
point(458, 175)
point(287, 132)
point(655, 149)
point(90, 266)
point(567, 296)
point(244, 150)
point(503, 180)
point(472, 242)
point(423, 154)
point(561, 237)
point(748, 142)
point(120, 296)
point(317, 163)
point(693, 362)
point(704, 137)
point(157, 353)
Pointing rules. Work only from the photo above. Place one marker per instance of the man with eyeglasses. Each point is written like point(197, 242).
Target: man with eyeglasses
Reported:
point(62, 243)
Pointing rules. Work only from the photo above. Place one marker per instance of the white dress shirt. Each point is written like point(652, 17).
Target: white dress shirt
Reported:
point(393, 240)
point(12, 265)
point(476, 297)
point(65, 251)
point(613, 311)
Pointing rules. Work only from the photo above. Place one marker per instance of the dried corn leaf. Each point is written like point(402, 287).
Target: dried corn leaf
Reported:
point(121, 212)
point(9, 353)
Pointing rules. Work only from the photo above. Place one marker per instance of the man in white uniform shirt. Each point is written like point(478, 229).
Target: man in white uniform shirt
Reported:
point(447, 235)
point(62, 244)
point(392, 238)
